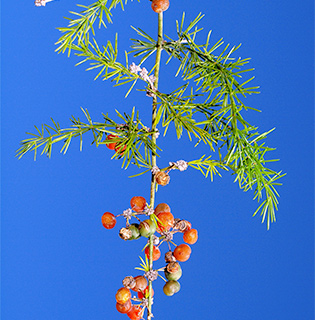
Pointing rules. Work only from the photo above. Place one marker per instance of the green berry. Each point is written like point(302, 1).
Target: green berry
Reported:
point(135, 231)
point(171, 287)
point(173, 271)
point(147, 228)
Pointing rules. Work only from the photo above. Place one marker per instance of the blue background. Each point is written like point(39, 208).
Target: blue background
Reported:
point(58, 262)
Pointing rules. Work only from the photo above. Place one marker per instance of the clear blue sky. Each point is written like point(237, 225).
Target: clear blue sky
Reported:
point(59, 263)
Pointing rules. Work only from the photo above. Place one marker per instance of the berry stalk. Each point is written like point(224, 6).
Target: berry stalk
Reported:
point(154, 110)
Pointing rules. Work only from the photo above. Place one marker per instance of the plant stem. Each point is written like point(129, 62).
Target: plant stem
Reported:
point(154, 110)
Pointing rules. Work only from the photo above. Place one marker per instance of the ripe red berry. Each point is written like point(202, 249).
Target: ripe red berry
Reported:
point(159, 6)
point(124, 308)
point(138, 203)
point(155, 254)
point(165, 221)
point(182, 252)
point(141, 283)
point(135, 313)
point(120, 149)
point(162, 207)
point(112, 145)
point(191, 236)
point(145, 293)
point(108, 220)
point(123, 295)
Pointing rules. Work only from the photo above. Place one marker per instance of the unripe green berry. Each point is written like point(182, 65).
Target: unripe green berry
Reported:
point(173, 271)
point(147, 228)
point(130, 233)
point(135, 231)
point(171, 287)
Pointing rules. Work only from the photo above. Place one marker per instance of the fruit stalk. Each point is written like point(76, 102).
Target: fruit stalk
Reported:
point(154, 111)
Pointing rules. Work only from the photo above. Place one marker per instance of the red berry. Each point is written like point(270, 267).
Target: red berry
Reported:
point(155, 254)
point(120, 149)
point(124, 308)
point(159, 6)
point(135, 313)
point(138, 203)
point(182, 252)
point(112, 145)
point(145, 293)
point(191, 236)
point(165, 221)
point(108, 220)
point(162, 207)
point(123, 295)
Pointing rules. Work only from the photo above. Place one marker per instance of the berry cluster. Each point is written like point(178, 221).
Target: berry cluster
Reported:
point(162, 221)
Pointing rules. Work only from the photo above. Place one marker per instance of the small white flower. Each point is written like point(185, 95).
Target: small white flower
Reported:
point(148, 211)
point(144, 74)
point(152, 80)
point(151, 275)
point(157, 133)
point(146, 128)
point(156, 240)
point(133, 68)
point(182, 165)
point(155, 170)
point(168, 236)
point(127, 213)
point(41, 3)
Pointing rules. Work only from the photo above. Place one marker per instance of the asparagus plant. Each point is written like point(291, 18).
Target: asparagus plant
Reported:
point(209, 110)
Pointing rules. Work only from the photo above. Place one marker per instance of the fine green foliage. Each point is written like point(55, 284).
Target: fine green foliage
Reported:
point(84, 23)
point(207, 166)
point(131, 133)
point(210, 110)
point(144, 265)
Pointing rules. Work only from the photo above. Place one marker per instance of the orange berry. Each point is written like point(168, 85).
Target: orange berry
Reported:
point(159, 6)
point(123, 295)
point(190, 236)
point(124, 308)
point(162, 178)
point(112, 145)
point(182, 252)
point(138, 204)
point(145, 293)
point(155, 254)
point(108, 220)
point(165, 221)
point(135, 313)
point(162, 207)
point(141, 283)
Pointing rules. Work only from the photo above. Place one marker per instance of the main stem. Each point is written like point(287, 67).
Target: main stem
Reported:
point(154, 110)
